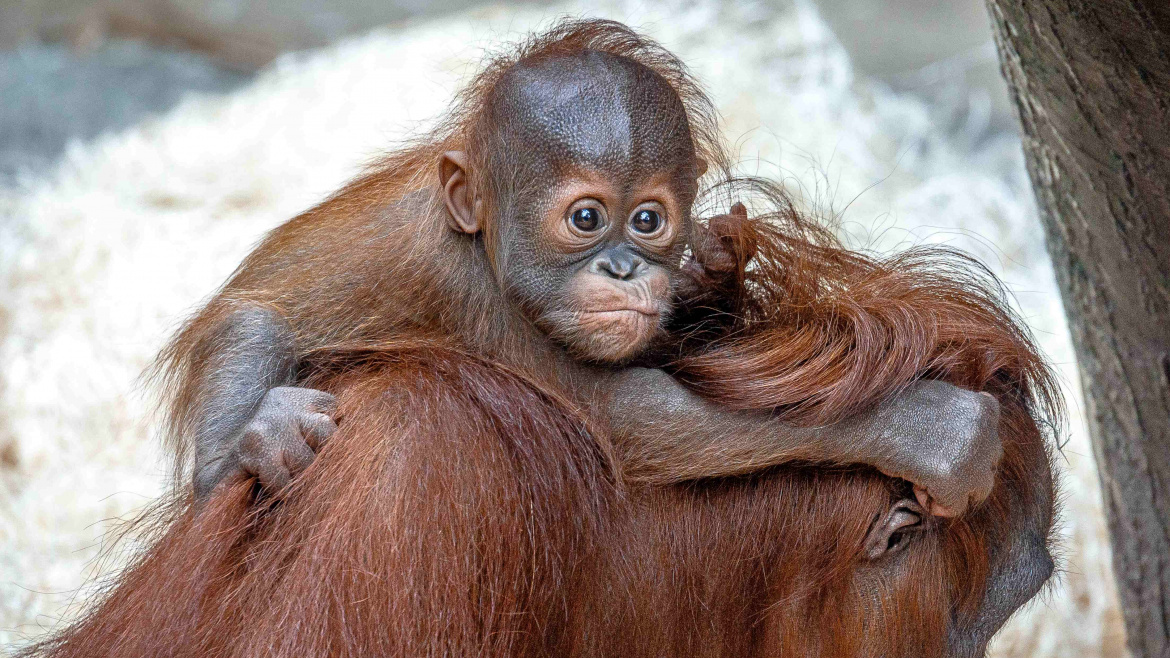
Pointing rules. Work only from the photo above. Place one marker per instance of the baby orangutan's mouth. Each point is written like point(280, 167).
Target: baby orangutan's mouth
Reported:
point(620, 311)
point(642, 309)
point(610, 321)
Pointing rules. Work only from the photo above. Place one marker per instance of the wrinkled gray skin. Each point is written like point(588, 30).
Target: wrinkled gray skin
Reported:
point(602, 114)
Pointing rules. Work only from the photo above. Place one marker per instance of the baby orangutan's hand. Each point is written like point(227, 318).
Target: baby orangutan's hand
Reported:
point(944, 440)
point(720, 251)
point(281, 440)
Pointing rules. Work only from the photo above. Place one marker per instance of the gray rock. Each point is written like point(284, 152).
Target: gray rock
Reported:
point(50, 96)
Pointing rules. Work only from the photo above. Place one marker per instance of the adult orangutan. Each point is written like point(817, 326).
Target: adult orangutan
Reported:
point(557, 433)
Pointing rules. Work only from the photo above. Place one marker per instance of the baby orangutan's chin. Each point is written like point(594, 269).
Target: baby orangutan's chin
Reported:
point(602, 320)
point(612, 322)
point(613, 336)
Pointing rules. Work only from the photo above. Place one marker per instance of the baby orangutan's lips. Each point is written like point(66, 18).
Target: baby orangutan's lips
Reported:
point(642, 309)
point(615, 311)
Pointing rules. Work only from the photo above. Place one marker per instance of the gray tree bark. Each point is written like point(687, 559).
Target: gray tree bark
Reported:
point(1091, 84)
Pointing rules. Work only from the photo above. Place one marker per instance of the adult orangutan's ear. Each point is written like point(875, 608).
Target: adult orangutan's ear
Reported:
point(459, 197)
point(700, 167)
point(892, 531)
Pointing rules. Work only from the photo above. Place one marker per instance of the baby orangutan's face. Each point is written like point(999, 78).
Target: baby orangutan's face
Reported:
point(595, 168)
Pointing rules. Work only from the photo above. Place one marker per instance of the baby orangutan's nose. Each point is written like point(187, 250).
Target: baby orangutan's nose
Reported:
point(618, 263)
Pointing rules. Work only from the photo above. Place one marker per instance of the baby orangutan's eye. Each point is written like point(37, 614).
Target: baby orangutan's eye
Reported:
point(646, 221)
point(586, 219)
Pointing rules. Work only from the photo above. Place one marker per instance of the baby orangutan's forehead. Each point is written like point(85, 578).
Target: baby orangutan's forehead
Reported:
point(595, 110)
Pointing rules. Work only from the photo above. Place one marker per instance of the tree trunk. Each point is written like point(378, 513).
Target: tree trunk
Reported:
point(1091, 84)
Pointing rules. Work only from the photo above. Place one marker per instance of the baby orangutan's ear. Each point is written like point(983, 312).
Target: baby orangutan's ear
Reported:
point(892, 531)
point(463, 208)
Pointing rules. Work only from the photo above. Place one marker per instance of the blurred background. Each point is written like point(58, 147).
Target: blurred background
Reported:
point(146, 145)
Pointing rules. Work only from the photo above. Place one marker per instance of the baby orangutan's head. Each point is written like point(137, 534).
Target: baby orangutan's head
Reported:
point(593, 184)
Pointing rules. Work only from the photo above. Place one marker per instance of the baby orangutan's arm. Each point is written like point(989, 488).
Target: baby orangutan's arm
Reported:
point(249, 418)
point(939, 437)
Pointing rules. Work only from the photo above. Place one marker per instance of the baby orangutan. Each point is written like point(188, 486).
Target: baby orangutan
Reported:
point(546, 232)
